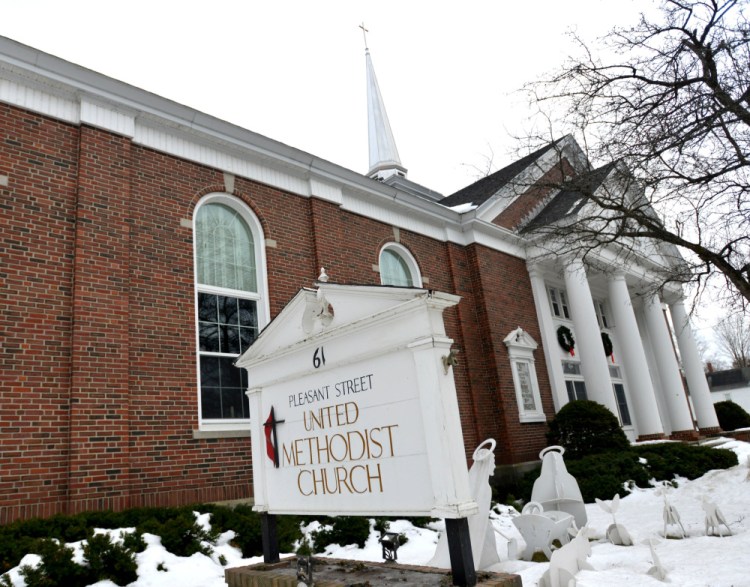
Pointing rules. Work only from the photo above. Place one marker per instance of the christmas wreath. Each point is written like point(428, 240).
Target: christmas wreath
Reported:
point(566, 340)
point(608, 349)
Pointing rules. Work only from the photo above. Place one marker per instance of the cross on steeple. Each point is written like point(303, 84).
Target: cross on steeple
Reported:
point(272, 442)
point(364, 34)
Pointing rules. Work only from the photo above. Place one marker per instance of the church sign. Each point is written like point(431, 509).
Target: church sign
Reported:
point(353, 406)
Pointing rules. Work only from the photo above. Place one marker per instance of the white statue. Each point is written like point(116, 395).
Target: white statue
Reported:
point(540, 529)
point(556, 489)
point(657, 571)
point(671, 515)
point(481, 533)
point(616, 533)
point(714, 518)
point(567, 561)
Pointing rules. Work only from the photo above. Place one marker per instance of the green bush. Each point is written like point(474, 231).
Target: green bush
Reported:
point(108, 560)
point(180, 535)
point(604, 475)
point(667, 459)
point(343, 530)
point(731, 415)
point(584, 427)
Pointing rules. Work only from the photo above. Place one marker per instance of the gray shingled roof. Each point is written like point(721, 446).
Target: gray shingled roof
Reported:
point(480, 191)
point(571, 198)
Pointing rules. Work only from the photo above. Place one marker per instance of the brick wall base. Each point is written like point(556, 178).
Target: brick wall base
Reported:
point(714, 431)
point(684, 435)
point(646, 437)
point(229, 493)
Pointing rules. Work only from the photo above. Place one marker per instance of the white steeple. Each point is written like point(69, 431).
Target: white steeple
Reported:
point(384, 159)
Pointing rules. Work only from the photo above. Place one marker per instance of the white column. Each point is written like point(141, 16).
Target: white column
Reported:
point(633, 358)
point(669, 371)
point(693, 367)
point(549, 338)
point(588, 338)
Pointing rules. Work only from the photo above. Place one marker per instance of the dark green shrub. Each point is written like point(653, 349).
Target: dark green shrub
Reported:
point(604, 475)
point(57, 567)
point(667, 459)
point(344, 530)
point(585, 427)
point(731, 415)
point(108, 560)
point(179, 535)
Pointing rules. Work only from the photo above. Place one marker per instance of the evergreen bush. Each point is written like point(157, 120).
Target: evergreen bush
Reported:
point(584, 427)
point(665, 460)
point(343, 530)
point(731, 415)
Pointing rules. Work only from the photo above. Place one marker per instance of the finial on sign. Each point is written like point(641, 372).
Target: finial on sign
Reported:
point(364, 34)
point(323, 277)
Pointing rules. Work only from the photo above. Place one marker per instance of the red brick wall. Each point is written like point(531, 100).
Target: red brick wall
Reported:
point(98, 374)
point(37, 240)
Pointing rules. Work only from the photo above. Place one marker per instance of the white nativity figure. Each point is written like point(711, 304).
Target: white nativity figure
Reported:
point(657, 571)
point(556, 489)
point(567, 561)
point(616, 533)
point(671, 515)
point(714, 518)
point(481, 533)
point(540, 529)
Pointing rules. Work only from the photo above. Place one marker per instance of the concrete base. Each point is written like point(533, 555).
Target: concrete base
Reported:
point(329, 572)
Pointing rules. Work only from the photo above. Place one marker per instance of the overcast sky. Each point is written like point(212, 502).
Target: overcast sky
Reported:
point(294, 70)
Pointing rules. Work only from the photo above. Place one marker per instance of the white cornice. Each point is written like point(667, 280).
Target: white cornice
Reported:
point(42, 83)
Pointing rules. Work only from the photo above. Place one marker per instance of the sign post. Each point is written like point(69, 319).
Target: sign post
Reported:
point(354, 412)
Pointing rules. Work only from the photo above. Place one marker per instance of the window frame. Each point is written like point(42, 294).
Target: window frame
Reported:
point(405, 255)
point(260, 297)
point(571, 379)
point(558, 297)
point(603, 317)
point(521, 347)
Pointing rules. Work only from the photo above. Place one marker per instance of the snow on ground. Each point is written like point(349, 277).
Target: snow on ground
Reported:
point(696, 561)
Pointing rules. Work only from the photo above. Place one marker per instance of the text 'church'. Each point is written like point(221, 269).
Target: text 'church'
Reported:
point(144, 246)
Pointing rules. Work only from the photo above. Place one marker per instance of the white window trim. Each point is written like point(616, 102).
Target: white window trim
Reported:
point(562, 301)
point(521, 349)
point(261, 296)
point(405, 254)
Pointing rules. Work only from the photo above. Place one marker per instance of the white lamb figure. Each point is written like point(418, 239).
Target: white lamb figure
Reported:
point(567, 561)
point(657, 571)
point(616, 533)
point(671, 516)
point(714, 518)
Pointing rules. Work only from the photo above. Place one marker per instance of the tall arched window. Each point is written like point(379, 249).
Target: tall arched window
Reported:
point(398, 267)
point(231, 303)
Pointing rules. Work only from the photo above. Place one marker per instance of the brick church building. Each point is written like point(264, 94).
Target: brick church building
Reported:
point(144, 244)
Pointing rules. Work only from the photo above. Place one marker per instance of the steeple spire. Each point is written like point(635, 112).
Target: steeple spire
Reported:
point(384, 159)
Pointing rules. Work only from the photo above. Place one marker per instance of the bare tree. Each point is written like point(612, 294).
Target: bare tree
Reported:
point(665, 125)
point(733, 337)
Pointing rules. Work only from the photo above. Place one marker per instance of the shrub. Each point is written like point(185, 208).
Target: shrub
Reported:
point(585, 427)
point(344, 530)
point(179, 535)
point(667, 459)
point(731, 415)
point(108, 560)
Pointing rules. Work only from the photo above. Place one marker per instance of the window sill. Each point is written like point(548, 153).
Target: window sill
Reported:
point(528, 418)
point(206, 434)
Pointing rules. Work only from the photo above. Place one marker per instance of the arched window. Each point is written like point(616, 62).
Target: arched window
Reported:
point(398, 267)
point(231, 303)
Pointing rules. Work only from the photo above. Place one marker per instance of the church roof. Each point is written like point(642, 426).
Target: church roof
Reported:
point(480, 191)
point(571, 198)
